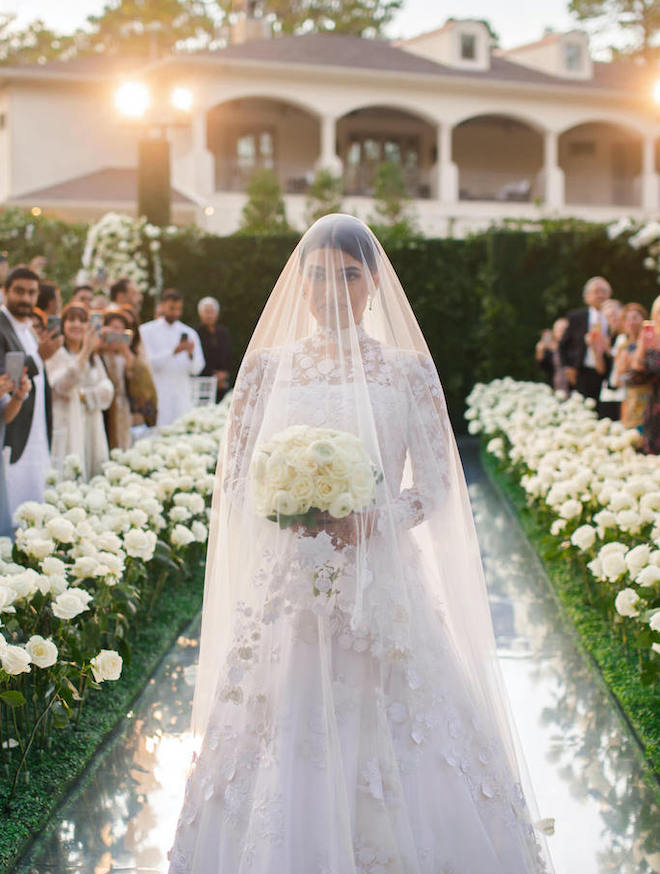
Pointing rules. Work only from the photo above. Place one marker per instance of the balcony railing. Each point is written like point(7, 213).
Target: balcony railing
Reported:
point(602, 189)
point(294, 178)
point(359, 181)
point(498, 185)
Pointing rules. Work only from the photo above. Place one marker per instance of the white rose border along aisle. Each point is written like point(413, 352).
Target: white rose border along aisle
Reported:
point(87, 568)
point(597, 500)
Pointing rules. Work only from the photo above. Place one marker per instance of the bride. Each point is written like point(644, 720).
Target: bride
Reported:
point(352, 716)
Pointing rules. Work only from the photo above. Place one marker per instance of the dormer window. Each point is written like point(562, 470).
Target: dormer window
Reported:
point(468, 47)
point(573, 56)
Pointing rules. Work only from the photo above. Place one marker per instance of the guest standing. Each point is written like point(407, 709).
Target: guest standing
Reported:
point(547, 355)
point(124, 293)
point(175, 354)
point(49, 299)
point(647, 363)
point(83, 294)
point(584, 348)
point(142, 395)
point(119, 360)
point(216, 345)
point(28, 435)
point(81, 391)
point(637, 385)
point(11, 399)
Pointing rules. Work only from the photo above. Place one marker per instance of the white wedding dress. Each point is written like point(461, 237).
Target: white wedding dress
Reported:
point(333, 749)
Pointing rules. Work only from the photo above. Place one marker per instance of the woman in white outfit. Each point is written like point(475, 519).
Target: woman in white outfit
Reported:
point(348, 697)
point(81, 391)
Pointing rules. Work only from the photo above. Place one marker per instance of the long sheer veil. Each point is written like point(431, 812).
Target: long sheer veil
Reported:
point(338, 349)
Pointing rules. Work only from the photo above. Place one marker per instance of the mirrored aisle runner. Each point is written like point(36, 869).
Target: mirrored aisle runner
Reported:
point(582, 761)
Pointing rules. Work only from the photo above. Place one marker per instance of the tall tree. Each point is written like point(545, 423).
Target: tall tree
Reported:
point(147, 28)
point(358, 17)
point(639, 18)
point(34, 44)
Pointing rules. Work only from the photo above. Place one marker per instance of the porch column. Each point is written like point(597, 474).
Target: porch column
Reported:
point(650, 179)
point(552, 176)
point(329, 159)
point(204, 169)
point(446, 170)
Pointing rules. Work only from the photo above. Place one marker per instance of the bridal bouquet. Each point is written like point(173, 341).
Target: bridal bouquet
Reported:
point(303, 474)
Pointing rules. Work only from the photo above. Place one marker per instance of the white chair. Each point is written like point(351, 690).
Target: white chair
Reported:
point(203, 389)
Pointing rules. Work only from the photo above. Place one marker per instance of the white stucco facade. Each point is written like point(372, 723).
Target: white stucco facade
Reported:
point(478, 139)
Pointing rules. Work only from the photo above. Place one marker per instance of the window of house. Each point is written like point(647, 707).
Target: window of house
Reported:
point(255, 149)
point(573, 55)
point(468, 47)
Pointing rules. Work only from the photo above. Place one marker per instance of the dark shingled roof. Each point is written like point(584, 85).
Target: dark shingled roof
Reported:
point(112, 184)
point(352, 52)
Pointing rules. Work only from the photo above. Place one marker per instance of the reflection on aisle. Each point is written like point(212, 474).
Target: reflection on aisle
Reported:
point(583, 764)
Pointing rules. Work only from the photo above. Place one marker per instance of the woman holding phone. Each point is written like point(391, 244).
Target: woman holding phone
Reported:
point(12, 395)
point(647, 362)
point(81, 391)
point(119, 360)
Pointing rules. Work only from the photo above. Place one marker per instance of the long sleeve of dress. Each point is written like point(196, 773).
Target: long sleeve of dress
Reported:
point(98, 388)
point(243, 425)
point(64, 373)
point(428, 443)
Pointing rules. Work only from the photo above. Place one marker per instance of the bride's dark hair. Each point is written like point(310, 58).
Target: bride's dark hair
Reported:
point(343, 232)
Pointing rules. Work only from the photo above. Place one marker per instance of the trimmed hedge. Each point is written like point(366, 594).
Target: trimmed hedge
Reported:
point(53, 775)
point(617, 662)
point(481, 302)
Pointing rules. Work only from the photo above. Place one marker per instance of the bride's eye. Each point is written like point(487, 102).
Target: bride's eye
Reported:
point(350, 274)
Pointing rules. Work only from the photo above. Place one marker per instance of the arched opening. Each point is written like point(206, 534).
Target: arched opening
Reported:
point(253, 133)
point(372, 135)
point(498, 158)
point(602, 164)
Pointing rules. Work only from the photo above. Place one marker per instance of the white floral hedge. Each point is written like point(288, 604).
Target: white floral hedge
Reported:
point(91, 561)
point(599, 495)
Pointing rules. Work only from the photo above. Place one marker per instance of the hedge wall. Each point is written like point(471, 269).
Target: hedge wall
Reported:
point(481, 302)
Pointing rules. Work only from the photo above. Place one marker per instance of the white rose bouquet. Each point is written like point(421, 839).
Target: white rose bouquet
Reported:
point(304, 474)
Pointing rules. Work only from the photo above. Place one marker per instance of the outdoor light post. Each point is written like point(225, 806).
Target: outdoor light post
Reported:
point(134, 102)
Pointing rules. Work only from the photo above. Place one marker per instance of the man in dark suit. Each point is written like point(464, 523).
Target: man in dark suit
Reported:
point(584, 349)
point(28, 435)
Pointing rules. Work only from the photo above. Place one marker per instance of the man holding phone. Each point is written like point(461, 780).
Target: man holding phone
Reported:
point(175, 354)
point(28, 435)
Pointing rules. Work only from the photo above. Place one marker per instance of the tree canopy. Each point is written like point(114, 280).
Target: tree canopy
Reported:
point(640, 19)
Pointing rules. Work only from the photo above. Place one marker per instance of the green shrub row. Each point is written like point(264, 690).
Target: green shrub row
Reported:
point(53, 773)
point(616, 659)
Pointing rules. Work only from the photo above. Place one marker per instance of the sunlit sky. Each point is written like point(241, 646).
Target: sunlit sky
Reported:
point(505, 16)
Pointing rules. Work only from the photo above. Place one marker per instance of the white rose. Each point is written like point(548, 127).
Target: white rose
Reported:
point(637, 558)
point(654, 621)
point(181, 536)
point(53, 565)
point(615, 546)
point(139, 543)
point(25, 583)
point(43, 653)
point(70, 603)
point(583, 537)
point(648, 576)
point(106, 665)
point(108, 541)
point(341, 506)
point(85, 567)
point(60, 529)
point(570, 509)
point(557, 527)
point(138, 518)
point(200, 531)
point(179, 514)
point(39, 548)
point(7, 598)
point(58, 583)
point(626, 603)
point(613, 566)
point(596, 568)
point(75, 515)
point(15, 660)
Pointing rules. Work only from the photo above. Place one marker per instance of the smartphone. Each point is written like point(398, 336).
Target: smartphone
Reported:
point(112, 338)
point(96, 321)
point(648, 329)
point(14, 364)
point(183, 337)
point(54, 324)
point(126, 337)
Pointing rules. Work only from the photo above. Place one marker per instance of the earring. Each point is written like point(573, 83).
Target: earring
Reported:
point(371, 303)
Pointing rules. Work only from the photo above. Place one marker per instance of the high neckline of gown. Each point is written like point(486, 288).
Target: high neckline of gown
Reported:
point(342, 333)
